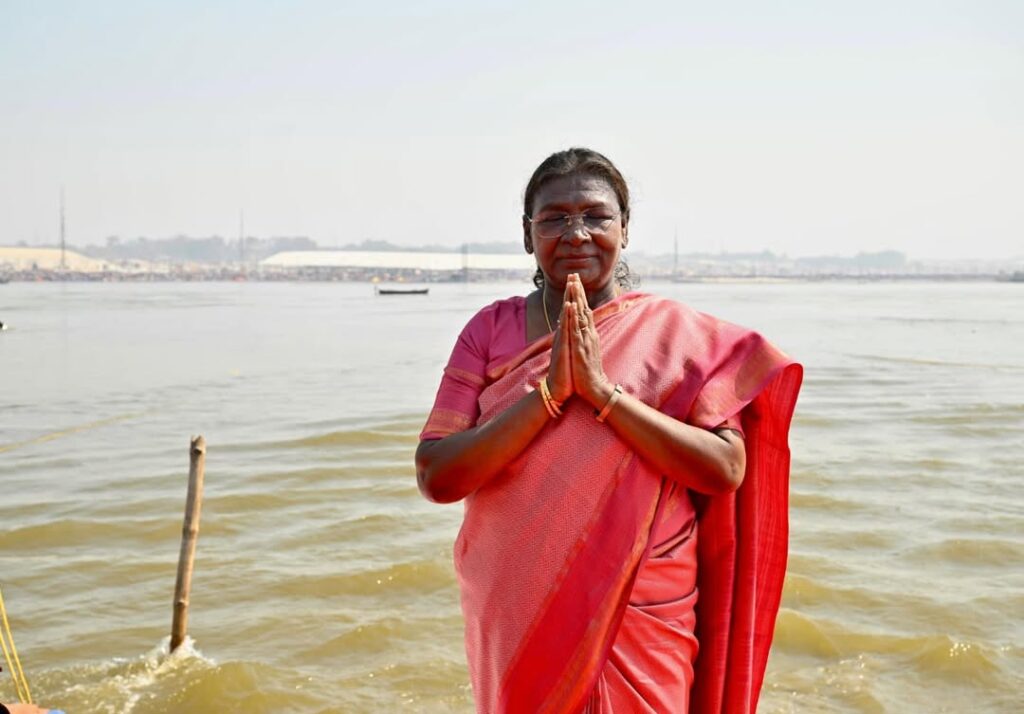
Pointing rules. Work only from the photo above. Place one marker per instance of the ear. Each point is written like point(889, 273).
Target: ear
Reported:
point(625, 236)
point(527, 239)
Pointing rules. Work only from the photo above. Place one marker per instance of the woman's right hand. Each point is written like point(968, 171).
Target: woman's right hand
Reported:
point(560, 371)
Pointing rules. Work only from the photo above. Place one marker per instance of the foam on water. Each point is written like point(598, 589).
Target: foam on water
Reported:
point(117, 686)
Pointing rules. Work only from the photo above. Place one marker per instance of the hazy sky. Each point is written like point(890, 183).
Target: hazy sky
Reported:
point(803, 127)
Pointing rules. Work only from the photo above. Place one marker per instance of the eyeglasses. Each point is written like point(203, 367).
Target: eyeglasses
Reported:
point(558, 226)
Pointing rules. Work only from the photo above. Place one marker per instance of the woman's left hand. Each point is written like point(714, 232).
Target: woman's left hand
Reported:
point(588, 377)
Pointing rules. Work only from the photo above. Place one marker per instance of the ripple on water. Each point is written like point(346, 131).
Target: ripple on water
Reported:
point(362, 527)
point(76, 532)
point(965, 662)
point(805, 592)
point(851, 539)
point(368, 637)
point(443, 683)
point(816, 564)
point(801, 421)
point(926, 362)
point(845, 685)
point(361, 438)
point(995, 524)
point(259, 502)
point(931, 465)
point(970, 553)
point(45, 464)
point(931, 656)
point(861, 605)
point(369, 480)
point(415, 578)
point(824, 502)
point(440, 687)
point(311, 476)
point(800, 634)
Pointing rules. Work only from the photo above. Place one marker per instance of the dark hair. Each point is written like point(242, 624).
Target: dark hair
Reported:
point(581, 161)
point(576, 161)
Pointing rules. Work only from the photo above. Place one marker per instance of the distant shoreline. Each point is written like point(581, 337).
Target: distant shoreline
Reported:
point(53, 265)
point(236, 275)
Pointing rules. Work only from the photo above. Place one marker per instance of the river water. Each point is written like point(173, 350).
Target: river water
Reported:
point(324, 581)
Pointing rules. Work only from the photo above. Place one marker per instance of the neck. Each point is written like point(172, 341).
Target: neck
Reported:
point(599, 297)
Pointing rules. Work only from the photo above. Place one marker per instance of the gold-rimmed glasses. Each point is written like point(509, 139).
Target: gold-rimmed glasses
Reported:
point(595, 223)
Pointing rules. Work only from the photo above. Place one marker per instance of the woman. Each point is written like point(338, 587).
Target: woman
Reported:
point(578, 424)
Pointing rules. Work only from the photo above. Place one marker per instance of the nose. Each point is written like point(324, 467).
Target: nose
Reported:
point(576, 233)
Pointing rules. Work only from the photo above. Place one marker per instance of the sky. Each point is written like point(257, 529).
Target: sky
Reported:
point(805, 128)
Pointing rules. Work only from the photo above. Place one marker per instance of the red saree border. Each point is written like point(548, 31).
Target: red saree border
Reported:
point(742, 554)
point(557, 635)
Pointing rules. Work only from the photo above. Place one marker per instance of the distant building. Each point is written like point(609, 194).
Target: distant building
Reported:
point(400, 260)
point(24, 258)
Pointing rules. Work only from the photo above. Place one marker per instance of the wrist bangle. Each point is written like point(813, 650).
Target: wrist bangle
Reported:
point(554, 408)
point(610, 404)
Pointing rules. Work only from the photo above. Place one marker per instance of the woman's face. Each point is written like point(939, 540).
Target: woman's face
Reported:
point(592, 254)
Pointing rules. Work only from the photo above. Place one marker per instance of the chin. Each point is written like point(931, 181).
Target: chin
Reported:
point(592, 279)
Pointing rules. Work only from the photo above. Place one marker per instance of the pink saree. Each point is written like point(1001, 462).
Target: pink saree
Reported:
point(579, 565)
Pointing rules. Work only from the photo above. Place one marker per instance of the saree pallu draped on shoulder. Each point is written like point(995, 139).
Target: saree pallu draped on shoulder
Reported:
point(550, 549)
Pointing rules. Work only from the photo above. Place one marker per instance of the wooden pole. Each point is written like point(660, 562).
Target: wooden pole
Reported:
point(189, 538)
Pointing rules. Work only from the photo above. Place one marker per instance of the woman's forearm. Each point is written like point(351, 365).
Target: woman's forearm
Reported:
point(449, 469)
point(706, 461)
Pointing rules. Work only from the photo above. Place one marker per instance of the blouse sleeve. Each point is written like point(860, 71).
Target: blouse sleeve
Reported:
point(456, 406)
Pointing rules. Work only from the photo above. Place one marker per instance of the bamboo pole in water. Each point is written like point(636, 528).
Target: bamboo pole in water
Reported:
point(189, 537)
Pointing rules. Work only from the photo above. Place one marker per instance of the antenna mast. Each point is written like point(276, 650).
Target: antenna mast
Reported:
point(63, 244)
point(675, 255)
point(241, 239)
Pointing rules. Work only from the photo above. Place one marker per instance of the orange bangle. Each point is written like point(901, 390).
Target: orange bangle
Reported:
point(616, 395)
point(554, 408)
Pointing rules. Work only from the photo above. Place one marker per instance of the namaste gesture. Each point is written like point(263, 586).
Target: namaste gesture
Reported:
point(576, 353)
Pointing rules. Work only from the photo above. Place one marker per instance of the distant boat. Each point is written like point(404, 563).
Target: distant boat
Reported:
point(400, 291)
